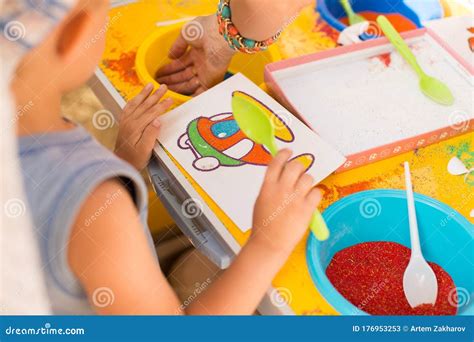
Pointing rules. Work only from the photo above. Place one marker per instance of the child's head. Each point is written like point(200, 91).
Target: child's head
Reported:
point(67, 57)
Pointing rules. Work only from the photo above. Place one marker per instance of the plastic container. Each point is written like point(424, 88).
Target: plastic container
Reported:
point(381, 215)
point(153, 54)
point(414, 10)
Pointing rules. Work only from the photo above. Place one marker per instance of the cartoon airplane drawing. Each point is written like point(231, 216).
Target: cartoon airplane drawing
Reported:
point(218, 141)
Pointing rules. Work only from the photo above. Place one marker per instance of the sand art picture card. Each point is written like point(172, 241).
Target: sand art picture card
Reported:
point(204, 138)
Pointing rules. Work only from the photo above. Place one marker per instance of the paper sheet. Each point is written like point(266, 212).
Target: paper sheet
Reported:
point(203, 137)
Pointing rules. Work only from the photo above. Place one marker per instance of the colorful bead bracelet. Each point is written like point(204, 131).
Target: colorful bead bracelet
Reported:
point(232, 36)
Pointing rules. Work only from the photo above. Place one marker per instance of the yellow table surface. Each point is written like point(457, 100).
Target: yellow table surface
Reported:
point(307, 34)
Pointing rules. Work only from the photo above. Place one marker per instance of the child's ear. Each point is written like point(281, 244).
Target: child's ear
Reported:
point(72, 33)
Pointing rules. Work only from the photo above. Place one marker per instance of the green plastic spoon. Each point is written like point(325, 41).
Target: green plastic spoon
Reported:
point(257, 126)
point(353, 17)
point(430, 86)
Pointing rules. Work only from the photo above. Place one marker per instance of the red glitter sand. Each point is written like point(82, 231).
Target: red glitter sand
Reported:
point(370, 276)
point(125, 66)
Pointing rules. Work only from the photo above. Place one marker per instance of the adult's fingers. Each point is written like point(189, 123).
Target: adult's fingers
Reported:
point(292, 172)
point(186, 88)
point(152, 100)
point(199, 90)
point(179, 77)
point(138, 100)
point(179, 47)
point(276, 166)
point(175, 66)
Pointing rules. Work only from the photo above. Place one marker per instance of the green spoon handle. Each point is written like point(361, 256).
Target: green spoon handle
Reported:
point(318, 226)
point(399, 43)
point(347, 7)
point(273, 148)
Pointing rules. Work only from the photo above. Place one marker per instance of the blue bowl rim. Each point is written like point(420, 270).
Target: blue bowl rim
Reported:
point(318, 275)
point(322, 8)
point(335, 23)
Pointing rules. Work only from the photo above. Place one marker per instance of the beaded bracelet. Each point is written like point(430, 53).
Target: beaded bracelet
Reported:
point(232, 36)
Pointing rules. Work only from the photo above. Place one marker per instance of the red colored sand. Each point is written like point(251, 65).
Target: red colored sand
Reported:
point(400, 22)
point(370, 276)
point(386, 59)
point(350, 189)
point(125, 66)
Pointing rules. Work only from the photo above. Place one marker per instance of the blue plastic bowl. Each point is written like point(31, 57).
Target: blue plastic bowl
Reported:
point(381, 215)
point(415, 10)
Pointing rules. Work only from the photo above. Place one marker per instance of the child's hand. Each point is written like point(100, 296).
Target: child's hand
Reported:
point(139, 126)
point(285, 204)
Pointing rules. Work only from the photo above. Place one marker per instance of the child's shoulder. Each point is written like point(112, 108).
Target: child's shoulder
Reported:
point(61, 170)
point(64, 168)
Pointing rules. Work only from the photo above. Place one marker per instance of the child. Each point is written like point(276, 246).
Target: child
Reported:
point(89, 207)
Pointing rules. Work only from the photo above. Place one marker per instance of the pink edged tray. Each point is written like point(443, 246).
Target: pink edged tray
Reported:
point(457, 35)
point(365, 100)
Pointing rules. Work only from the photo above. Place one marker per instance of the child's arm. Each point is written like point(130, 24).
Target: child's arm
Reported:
point(113, 253)
point(281, 216)
point(139, 126)
point(113, 259)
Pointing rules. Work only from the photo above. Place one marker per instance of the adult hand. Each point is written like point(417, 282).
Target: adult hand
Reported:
point(200, 58)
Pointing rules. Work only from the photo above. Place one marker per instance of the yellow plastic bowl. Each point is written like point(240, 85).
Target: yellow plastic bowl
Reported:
point(153, 54)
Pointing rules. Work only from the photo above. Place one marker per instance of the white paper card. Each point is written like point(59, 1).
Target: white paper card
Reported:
point(203, 137)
